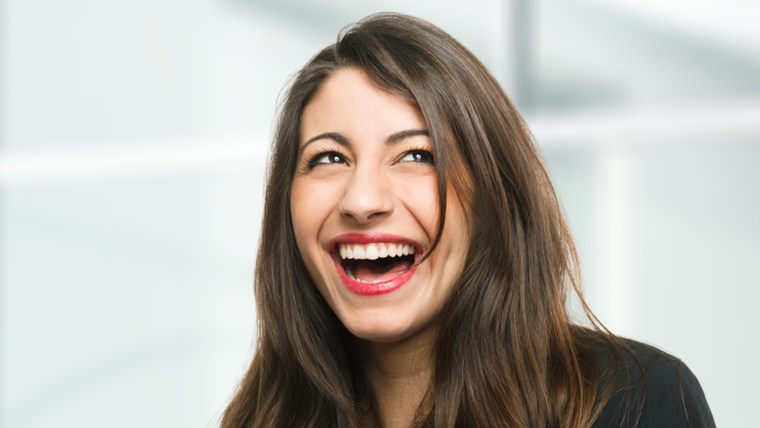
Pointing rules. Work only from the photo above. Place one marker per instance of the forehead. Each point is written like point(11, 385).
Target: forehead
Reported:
point(349, 101)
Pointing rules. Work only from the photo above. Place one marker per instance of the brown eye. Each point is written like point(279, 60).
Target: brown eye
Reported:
point(422, 156)
point(326, 158)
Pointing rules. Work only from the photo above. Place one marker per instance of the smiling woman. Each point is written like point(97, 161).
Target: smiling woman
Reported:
point(365, 210)
point(414, 262)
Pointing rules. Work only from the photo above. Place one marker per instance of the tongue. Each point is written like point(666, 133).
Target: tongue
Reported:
point(367, 271)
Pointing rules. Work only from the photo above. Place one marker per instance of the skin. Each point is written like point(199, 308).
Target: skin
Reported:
point(356, 175)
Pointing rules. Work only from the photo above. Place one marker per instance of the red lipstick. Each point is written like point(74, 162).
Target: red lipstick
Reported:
point(372, 288)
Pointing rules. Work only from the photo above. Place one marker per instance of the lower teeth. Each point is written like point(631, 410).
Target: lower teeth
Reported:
point(379, 272)
point(351, 274)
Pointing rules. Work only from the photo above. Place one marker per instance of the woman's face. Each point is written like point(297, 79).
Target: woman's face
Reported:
point(364, 204)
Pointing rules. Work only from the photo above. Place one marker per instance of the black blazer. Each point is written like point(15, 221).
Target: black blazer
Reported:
point(671, 394)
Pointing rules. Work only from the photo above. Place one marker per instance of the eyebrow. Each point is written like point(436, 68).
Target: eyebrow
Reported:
point(343, 141)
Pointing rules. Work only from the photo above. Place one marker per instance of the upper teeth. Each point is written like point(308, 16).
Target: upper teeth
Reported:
point(374, 251)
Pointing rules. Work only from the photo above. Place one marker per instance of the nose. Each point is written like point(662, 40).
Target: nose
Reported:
point(367, 197)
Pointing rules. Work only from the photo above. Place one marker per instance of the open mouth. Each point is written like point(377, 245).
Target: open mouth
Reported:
point(376, 262)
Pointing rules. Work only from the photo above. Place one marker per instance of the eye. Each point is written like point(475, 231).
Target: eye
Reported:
point(422, 156)
point(326, 158)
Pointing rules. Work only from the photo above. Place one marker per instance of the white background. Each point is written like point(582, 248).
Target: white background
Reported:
point(133, 140)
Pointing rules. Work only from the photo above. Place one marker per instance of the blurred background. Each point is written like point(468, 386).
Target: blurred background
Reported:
point(133, 140)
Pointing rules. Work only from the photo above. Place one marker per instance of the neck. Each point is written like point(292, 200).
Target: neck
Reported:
point(400, 374)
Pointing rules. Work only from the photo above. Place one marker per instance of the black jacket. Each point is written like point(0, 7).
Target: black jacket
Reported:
point(670, 393)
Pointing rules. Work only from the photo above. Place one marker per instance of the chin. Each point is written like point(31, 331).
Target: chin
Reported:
point(374, 330)
point(383, 329)
point(379, 334)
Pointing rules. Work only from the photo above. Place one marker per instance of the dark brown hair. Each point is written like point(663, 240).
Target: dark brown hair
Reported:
point(506, 353)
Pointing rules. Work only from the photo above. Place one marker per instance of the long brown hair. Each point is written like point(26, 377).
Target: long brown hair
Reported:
point(506, 353)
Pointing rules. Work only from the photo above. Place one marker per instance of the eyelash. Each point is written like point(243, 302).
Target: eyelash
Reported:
point(313, 161)
point(422, 151)
point(426, 154)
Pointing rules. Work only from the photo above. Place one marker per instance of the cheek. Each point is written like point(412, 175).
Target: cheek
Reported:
point(420, 195)
point(457, 225)
point(305, 223)
point(311, 204)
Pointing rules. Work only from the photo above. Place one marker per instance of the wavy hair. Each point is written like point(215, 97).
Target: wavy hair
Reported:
point(506, 353)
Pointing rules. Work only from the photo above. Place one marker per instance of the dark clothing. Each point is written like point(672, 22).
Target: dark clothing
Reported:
point(672, 396)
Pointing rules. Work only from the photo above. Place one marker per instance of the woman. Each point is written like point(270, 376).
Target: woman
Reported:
point(414, 262)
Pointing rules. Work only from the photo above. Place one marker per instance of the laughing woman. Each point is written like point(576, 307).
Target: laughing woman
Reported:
point(414, 262)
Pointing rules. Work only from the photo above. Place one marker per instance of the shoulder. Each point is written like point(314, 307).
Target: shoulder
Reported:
point(641, 378)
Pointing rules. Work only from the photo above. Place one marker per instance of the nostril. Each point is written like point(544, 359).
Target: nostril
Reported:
point(364, 213)
point(366, 197)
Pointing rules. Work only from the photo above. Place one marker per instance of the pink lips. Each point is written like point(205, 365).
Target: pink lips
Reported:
point(373, 288)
